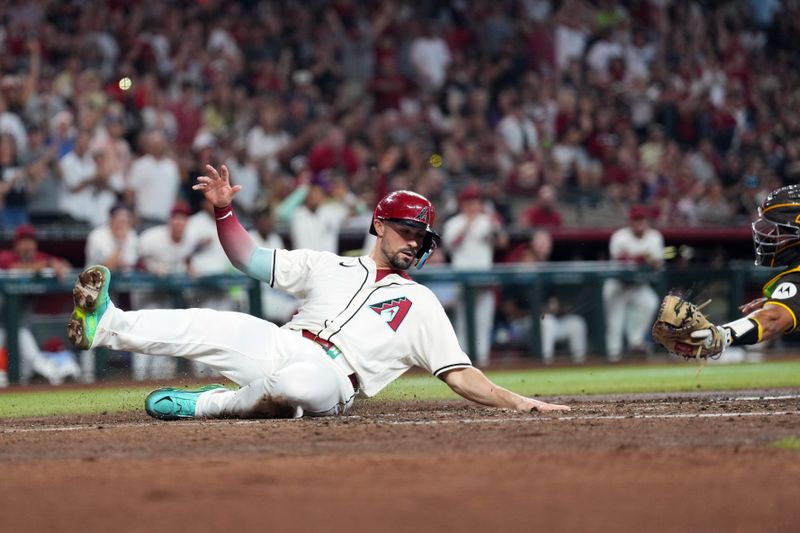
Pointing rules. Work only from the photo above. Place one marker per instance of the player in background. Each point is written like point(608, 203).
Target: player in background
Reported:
point(631, 305)
point(776, 236)
point(362, 323)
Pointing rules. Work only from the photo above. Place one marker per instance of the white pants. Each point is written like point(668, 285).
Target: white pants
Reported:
point(484, 323)
point(144, 366)
point(629, 311)
point(569, 328)
point(281, 373)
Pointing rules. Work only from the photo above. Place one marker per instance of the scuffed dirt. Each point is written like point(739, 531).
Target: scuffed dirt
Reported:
point(676, 462)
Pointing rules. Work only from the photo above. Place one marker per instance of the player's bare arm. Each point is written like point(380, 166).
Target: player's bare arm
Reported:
point(774, 320)
point(472, 384)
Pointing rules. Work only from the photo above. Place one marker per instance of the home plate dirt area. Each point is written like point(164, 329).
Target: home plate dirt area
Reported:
point(678, 462)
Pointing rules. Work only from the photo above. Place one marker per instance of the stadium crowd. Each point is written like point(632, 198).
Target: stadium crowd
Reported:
point(552, 112)
point(688, 108)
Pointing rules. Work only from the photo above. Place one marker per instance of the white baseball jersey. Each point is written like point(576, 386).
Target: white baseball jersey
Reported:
point(383, 322)
point(161, 254)
point(626, 246)
point(101, 244)
point(475, 246)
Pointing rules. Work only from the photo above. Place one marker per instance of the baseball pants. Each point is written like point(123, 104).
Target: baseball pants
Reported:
point(567, 328)
point(281, 373)
point(629, 312)
point(484, 323)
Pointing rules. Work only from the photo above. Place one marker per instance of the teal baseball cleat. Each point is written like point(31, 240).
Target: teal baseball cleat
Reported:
point(90, 296)
point(172, 404)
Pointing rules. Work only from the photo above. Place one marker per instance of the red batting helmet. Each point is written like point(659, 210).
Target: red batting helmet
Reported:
point(410, 209)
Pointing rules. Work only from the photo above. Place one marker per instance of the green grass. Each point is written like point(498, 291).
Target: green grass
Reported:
point(543, 382)
point(789, 443)
point(616, 379)
point(63, 402)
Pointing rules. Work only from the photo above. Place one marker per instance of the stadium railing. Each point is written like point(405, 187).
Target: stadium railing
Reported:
point(732, 283)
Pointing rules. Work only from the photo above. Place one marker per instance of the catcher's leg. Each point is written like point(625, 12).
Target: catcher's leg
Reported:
point(311, 384)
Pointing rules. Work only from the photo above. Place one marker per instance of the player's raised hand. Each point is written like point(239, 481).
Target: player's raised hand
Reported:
point(217, 186)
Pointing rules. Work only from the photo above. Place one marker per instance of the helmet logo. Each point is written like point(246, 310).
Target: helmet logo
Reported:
point(797, 219)
point(423, 215)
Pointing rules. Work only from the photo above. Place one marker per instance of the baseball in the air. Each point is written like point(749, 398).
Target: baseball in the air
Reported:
point(125, 83)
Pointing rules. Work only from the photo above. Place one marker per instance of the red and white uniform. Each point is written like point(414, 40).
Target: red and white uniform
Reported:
point(381, 322)
point(471, 246)
point(630, 307)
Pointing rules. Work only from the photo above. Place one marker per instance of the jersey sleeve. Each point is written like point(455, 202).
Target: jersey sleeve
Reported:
point(437, 346)
point(291, 269)
point(785, 292)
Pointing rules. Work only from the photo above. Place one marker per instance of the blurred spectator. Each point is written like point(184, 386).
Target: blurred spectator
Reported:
point(470, 238)
point(544, 213)
point(517, 132)
point(267, 143)
point(713, 209)
point(25, 257)
point(430, 57)
point(557, 324)
point(615, 101)
point(111, 142)
point(333, 153)
point(389, 86)
point(15, 180)
point(114, 244)
point(156, 116)
point(316, 222)
point(153, 181)
point(11, 124)
point(631, 305)
point(79, 174)
point(165, 249)
point(43, 186)
point(187, 113)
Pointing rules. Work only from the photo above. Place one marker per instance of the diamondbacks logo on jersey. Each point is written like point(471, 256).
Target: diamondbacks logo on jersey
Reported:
point(784, 291)
point(393, 311)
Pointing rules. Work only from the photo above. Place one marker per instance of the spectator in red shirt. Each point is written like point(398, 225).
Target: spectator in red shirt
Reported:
point(333, 154)
point(389, 86)
point(543, 213)
point(25, 254)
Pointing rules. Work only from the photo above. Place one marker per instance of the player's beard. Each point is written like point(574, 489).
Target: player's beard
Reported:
point(398, 260)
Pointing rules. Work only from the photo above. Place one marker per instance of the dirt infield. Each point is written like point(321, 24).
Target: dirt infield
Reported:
point(633, 463)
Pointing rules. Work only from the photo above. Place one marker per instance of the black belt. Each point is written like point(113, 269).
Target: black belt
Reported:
point(332, 350)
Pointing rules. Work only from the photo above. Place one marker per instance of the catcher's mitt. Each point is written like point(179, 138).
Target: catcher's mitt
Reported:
point(677, 320)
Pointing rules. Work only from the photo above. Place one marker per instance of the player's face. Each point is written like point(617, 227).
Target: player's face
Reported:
point(400, 244)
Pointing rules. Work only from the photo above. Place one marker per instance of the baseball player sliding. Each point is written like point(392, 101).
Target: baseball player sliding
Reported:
point(362, 323)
